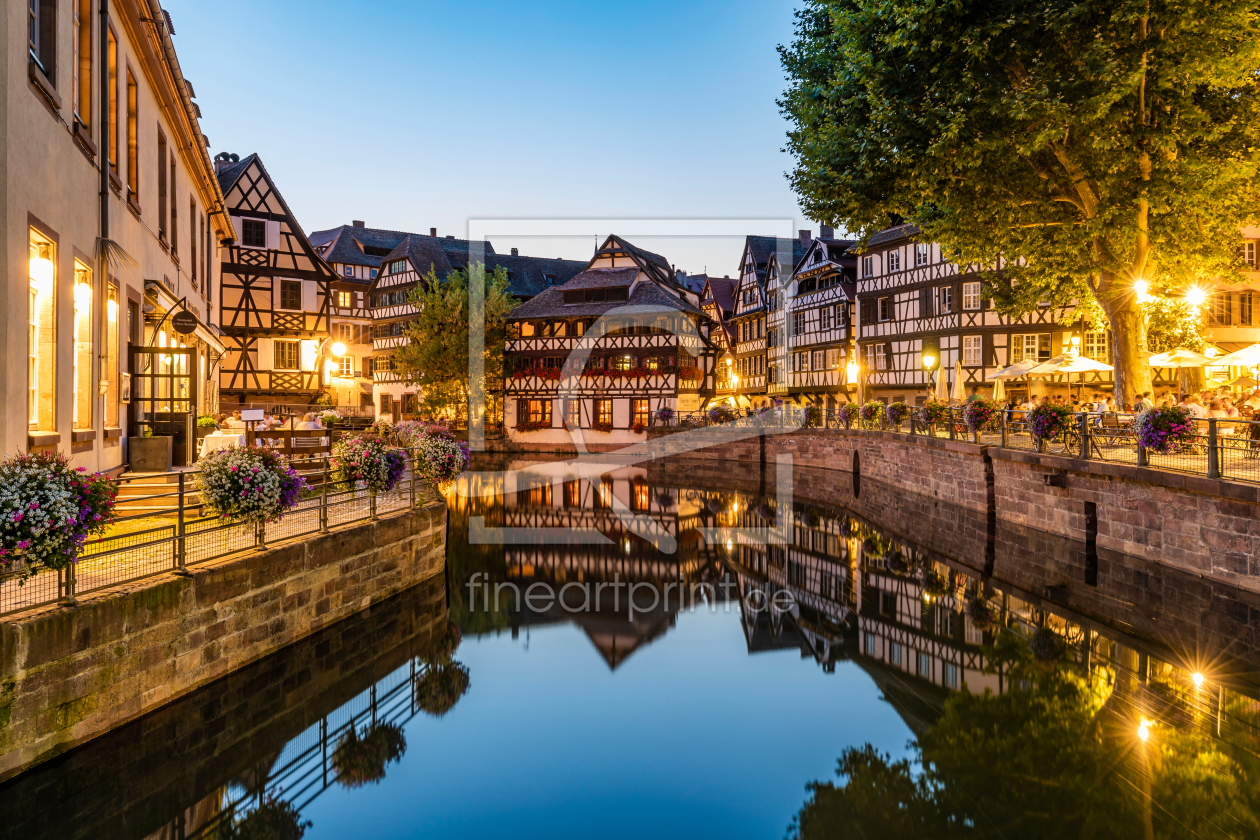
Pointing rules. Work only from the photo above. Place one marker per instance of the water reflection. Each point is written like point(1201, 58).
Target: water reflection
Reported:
point(1054, 691)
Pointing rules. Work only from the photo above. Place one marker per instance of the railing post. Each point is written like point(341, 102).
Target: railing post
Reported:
point(951, 424)
point(913, 430)
point(66, 582)
point(1002, 422)
point(1142, 460)
point(181, 544)
point(1083, 422)
point(260, 535)
point(323, 498)
point(412, 455)
point(372, 504)
point(1214, 455)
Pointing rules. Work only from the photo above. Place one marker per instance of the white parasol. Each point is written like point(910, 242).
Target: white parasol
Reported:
point(958, 393)
point(1016, 370)
point(1247, 357)
point(942, 386)
point(999, 390)
point(1068, 363)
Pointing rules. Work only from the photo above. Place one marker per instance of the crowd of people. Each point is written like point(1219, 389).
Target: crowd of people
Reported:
point(1217, 404)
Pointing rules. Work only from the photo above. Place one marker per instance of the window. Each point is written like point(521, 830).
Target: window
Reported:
point(818, 360)
point(833, 357)
point(1218, 309)
point(971, 295)
point(82, 11)
point(949, 674)
point(972, 351)
point(885, 309)
point(161, 182)
point(133, 140)
point(622, 362)
point(344, 332)
point(109, 373)
point(894, 261)
point(1249, 253)
point(344, 300)
point(348, 270)
point(881, 357)
point(372, 273)
point(286, 355)
point(925, 666)
point(824, 318)
point(1244, 309)
point(894, 653)
point(397, 266)
point(347, 365)
point(870, 644)
point(921, 254)
point(290, 294)
point(192, 240)
point(112, 59)
point(41, 336)
point(1033, 346)
point(550, 279)
point(253, 233)
point(802, 360)
point(868, 266)
point(174, 213)
point(538, 411)
point(1097, 346)
point(43, 36)
point(573, 414)
point(83, 394)
point(603, 411)
point(639, 412)
point(945, 294)
point(798, 323)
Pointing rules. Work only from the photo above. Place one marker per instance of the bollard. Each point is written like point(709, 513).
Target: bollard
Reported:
point(1214, 454)
point(1083, 422)
point(181, 545)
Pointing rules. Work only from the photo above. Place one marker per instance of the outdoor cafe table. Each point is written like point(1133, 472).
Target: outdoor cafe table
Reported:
point(220, 440)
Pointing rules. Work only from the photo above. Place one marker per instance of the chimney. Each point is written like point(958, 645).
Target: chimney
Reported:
point(358, 223)
point(825, 232)
point(225, 159)
point(515, 252)
point(433, 232)
point(805, 238)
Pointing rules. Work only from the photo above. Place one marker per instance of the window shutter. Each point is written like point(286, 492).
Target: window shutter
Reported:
point(266, 356)
point(990, 355)
point(925, 303)
point(888, 355)
point(273, 235)
point(867, 311)
point(309, 292)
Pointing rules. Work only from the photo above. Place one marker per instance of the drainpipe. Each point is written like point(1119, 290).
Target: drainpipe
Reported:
point(100, 304)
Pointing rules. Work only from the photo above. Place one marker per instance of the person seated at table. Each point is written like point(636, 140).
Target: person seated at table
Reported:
point(309, 422)
point(235, 421)
point(1216, 410)
point(1194, 405)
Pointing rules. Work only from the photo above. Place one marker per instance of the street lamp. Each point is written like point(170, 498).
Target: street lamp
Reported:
point(339, 349)
point(1195, 296)
point(1142, 289)
point(929, 362)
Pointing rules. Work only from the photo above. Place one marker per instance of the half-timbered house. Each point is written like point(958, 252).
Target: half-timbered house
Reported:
point(649, 347)
point(914, 302)
point(778, 278)
point(821, 298)
point(762, 258)
point(718, 302)
point(274, 296)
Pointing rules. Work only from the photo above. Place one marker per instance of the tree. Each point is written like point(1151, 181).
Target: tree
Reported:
point(436, 354)
point(1088, 143)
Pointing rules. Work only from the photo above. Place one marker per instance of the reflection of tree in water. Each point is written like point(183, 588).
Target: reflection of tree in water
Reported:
point(1059, 755)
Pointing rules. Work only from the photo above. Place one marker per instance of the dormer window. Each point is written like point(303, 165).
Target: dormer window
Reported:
point(617, 293)
point(253, 233)
point(550, 278)
point(348, 270)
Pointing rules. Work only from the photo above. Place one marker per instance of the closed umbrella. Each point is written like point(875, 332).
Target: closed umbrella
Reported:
point(999, 390)
point(942, 386)
point(959, 393)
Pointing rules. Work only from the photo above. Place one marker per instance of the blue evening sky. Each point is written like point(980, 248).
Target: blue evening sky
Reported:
point(412, 115)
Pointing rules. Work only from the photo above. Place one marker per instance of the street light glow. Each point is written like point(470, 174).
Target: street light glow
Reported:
point(929, 360)
point(1196, 296)
point(1144, 729)
point(339, 349)
point(1198, 679)
point(1142, 289)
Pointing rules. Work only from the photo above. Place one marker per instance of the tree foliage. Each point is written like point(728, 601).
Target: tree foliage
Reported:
point(1093, 143)
point(436, 355)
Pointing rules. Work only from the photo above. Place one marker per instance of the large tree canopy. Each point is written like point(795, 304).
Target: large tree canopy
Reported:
point(1092, 143)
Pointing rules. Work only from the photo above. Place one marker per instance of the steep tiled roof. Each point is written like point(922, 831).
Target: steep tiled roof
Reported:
point(723, 291)
point(602, 278)
point(789, 251)
point(550, 304)
point(351, 245)
point(228, 175)
point(528, 276)
point(892, 234)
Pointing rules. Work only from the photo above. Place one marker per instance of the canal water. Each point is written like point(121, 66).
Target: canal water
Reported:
point(670, 650)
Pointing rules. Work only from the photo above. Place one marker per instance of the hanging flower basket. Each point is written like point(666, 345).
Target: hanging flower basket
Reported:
point(441, 686)
point(849, 413)
point(360, 759)
point(984, 614)
point(898, 563)
point(935, 583)
point(813, 416)
point(872, 412)
point(721, 414)
point(442, 458)
point(871, 549)
point(248, 484)
point(897, 413)
point(1048, 646)
point(369, 460)
point(1048, 420)
point(1164, 430)
point(934, 412)
point(48, 511)
point(981, 414)
point(665, 416)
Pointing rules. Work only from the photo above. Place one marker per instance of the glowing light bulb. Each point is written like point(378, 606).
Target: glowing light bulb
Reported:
point(1198, 679)
point(735, 507)
point(111, 310)
point(928, 360)
point(852, 370)
point(41, 272)
point(1144, 729)
point(339, 349)
point(1142, 289)
point(729, 545)
point(82, 296)
point(1196, 296)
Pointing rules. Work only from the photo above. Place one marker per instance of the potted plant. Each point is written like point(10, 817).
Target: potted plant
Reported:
point(933, 413)
point(329, 417)
point(813, 416)
point(49, 510)
point(980, 414)
point(1164, 430)
point(361, 758)
point(665, 416)
point(248, 484)
point(849, 413)
point(150, 453)
point(274, 819)
point(872, 412)
point(1047, 421)
point(206, 425)
point(897, 412)
point(441, 457)
point(721, 414)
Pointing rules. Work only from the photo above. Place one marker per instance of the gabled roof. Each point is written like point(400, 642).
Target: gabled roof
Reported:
point(892, 234)
point(550, 304)
point(603, 278)
point(837, 250)
point(528, 276)
point(722, 291)
point(762, 248)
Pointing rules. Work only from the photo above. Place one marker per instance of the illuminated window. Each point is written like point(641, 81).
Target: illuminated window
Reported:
point(82, 42)
point(639, 410)
point(972, 351)
point(41, 339)
point(347, 366)
point(573, 413)
point(833, 357)
point(81, 414)
point(1032, 346)
point(112, 60)
point(286, 355)
point(110, 374)
point(640, 496)
point(622, 362)
point(573, 493)
point(603, 411)
point(344, 300)
point(344, 332)
point(133, 139)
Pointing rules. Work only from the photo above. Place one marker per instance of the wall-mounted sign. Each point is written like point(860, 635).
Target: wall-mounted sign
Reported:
point(184, 322)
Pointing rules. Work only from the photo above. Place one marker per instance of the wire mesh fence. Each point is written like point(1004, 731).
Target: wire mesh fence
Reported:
point(164, 526)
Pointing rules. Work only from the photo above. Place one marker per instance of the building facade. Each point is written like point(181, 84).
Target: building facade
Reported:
point(112, 218)
point(757, 314)
point(607, 350)
point(819, 324)
point(275, 296)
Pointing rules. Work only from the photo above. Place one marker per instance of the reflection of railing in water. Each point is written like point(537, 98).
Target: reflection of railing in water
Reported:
point(303, 770)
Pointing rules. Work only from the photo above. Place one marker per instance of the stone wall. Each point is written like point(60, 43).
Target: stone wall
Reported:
point(154, 772)
point(70, 674)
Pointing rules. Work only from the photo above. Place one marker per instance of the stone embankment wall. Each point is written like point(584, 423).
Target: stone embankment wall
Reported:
point(1204, 526)
point(70, 674)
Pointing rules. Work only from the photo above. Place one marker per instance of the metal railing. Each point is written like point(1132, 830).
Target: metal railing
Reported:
point(162, 526)
point(1224, 448)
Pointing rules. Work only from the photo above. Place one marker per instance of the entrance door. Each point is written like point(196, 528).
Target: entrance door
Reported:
point(164, 396)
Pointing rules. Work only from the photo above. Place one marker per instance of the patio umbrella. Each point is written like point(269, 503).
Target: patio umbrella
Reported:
point(1242, 382)
point(1248, 357)
point(1183, 358)
point(959, 393)
point(999, 390)
point(1016, 370)
point(942, 386)
point(1068, 363)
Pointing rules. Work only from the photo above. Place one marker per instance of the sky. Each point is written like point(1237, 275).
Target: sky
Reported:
point(414, 115)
